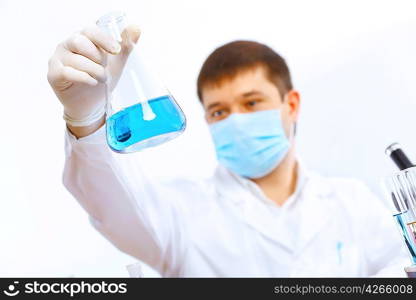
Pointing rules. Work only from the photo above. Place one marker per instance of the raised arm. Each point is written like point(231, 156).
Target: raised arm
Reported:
point(134, 213)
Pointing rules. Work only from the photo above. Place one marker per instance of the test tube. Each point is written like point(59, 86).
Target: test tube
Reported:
point(402, 189)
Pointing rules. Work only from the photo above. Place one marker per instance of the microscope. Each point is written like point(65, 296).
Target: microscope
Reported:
point(401, 189)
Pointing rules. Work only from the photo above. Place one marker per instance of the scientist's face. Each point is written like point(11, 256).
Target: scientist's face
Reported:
point(249, 91)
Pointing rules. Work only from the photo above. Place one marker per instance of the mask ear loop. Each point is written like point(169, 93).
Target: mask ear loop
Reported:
point(294, 124)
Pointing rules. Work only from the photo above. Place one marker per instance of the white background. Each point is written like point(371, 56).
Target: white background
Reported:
point(353, 62)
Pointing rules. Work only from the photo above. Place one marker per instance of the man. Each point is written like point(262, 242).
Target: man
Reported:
point(261, 213)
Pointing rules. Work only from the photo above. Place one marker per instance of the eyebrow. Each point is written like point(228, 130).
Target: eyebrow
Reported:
point(213, 105)
point(251, 93)
point(244, 95)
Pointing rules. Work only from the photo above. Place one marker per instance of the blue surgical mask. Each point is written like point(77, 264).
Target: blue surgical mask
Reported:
point(250, 144)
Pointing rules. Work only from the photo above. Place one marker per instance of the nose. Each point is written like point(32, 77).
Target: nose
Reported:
point(237, 109)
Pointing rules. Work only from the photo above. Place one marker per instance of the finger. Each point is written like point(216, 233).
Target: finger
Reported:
point(63, 76)
point(84, 64)
point(80, 44)
point(133, 33)
point(102, 39)
point(75, 75)
point(129, 36)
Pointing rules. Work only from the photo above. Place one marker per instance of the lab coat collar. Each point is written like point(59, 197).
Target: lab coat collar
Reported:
point(232, 182)
point(311, 194)
point(302, 176)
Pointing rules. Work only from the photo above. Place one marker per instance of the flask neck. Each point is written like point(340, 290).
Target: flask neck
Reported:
point(113, 23)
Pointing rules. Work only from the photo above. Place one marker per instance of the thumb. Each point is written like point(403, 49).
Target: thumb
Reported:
point(129, 37)
point(133, 32)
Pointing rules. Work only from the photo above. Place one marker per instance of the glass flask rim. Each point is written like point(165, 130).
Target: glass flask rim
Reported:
point(109, 18)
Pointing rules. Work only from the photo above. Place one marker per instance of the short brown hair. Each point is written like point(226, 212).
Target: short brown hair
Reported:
point(226, 61)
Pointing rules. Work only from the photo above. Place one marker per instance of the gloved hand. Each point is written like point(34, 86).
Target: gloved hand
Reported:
point(77, 72)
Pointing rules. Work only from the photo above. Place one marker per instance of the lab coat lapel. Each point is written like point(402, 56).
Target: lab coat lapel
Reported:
point(252, 210)
point(260, 217)
point(314, 206)
point(315, 210)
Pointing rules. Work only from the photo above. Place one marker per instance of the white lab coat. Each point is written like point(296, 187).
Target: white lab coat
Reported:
point(224, 226)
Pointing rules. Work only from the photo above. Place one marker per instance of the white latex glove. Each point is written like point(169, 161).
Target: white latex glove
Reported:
point(77, 69)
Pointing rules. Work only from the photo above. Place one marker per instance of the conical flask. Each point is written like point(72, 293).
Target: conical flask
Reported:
point(140, 111)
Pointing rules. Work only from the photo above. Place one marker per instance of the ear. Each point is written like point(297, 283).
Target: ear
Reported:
point(293, 103)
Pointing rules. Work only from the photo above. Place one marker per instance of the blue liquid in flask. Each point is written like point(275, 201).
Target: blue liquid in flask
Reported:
point(127, 131)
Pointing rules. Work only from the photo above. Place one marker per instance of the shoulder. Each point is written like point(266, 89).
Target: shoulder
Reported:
point(351, 200)
point(350, 192)
point(350, 186)
point(344, 185)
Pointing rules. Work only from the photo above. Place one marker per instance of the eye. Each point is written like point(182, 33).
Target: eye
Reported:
point(252, 103)
point(217, 113)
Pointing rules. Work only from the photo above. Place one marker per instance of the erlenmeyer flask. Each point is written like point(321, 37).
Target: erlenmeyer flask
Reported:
point(141, 112)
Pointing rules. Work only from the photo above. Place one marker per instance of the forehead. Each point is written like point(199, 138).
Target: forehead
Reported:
point(239, 85)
